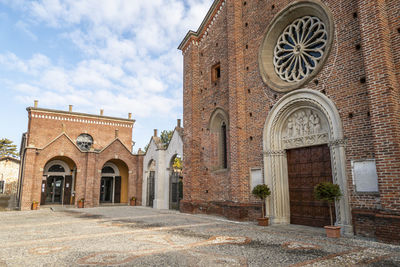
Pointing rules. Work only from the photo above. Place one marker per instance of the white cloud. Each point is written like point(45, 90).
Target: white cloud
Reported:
point(128, 58)
point(26, 88)
point(24, 27)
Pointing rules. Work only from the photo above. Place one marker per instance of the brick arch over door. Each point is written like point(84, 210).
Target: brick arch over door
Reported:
point(125, 170)
point(277, 137)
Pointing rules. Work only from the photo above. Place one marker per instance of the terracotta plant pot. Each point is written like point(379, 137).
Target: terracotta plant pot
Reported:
point(34, 206)
point(332, 231)
point(133, 202)
point(263, 221)
point(81, 204)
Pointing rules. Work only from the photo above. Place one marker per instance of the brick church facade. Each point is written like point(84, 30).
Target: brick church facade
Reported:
point(293, 93)
point(68, 156)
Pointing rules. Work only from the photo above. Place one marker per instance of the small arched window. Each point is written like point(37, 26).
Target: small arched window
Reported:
point(56, 168)
point(219, 138)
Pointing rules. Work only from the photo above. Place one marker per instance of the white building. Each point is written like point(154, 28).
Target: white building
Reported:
point(9, 168)
point(162, 184)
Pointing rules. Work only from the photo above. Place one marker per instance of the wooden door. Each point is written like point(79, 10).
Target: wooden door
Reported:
point(117, 191)
point(67, 189)
point(306, 168)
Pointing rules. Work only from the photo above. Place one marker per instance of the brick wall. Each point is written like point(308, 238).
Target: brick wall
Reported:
point(46, 125)
point(377, 224)
point(361, 76)
point(52, 136)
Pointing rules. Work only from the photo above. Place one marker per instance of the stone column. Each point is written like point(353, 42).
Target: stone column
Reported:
point(338, 156)
point(276, 174)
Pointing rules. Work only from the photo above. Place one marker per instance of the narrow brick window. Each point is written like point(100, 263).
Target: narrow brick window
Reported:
point(219, 127)
point(1, 187)
point(224, 146)
point(216, 72)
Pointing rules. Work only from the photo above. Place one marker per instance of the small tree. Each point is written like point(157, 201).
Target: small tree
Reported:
point(177, 163)
point(329, 192)
point(261, 191)
point(7, 148)
point(166, 137)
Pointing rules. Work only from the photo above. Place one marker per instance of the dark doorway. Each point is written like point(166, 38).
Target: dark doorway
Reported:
point(54, 190)
point(307, 167)
point(150, 188)
point(106, 189)
point(176, 189)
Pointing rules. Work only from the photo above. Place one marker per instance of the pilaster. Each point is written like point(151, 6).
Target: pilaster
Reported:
point(384, 97)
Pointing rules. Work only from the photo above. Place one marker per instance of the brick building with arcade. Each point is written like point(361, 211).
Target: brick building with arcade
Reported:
point(68, 156)
point(293, 93)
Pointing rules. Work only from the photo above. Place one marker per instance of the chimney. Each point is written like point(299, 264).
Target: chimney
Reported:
point(178, 124)
point(36, 102)
point(129, 115)
point(116, 133)
point(70, 108)
point(101, 112)
point(155, 132)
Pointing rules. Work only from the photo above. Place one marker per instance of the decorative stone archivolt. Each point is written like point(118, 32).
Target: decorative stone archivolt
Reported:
point(301, 118)
point(300, 48)
point(275, 152)
point(296, 44)
point(305, 127)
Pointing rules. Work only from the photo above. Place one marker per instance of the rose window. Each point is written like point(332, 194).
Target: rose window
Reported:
point(300, 48)
point(84, 142)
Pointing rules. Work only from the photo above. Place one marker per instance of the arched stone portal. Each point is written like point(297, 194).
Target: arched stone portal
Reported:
point(302, 118)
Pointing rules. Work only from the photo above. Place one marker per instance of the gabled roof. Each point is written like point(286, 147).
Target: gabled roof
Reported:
point(58, 137)
point(75, 145)
point(158, 143)
point(180, 131)
point(203, 26)
point(115, 140)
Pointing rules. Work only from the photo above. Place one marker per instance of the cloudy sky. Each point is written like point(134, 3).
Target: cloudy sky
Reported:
point(116, 55)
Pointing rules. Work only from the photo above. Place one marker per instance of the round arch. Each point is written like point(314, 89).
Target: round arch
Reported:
point(59, 181)
point(112, 166)
point(52, 163)
point(113, 182)
point(323, 126)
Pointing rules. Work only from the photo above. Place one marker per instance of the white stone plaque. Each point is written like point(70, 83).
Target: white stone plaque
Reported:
point(365, 177)
point(256, 178)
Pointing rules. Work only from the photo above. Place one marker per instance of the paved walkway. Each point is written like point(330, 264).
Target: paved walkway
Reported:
point(137, 236)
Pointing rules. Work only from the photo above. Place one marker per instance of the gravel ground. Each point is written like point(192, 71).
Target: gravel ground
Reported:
point(138, 236)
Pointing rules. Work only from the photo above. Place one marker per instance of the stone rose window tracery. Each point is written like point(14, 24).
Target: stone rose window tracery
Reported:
point(296, 45)
point(300, 48)
point(84, 142)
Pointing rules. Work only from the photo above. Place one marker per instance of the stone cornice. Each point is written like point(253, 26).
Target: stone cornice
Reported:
point(78, 114)
point(196, 36)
